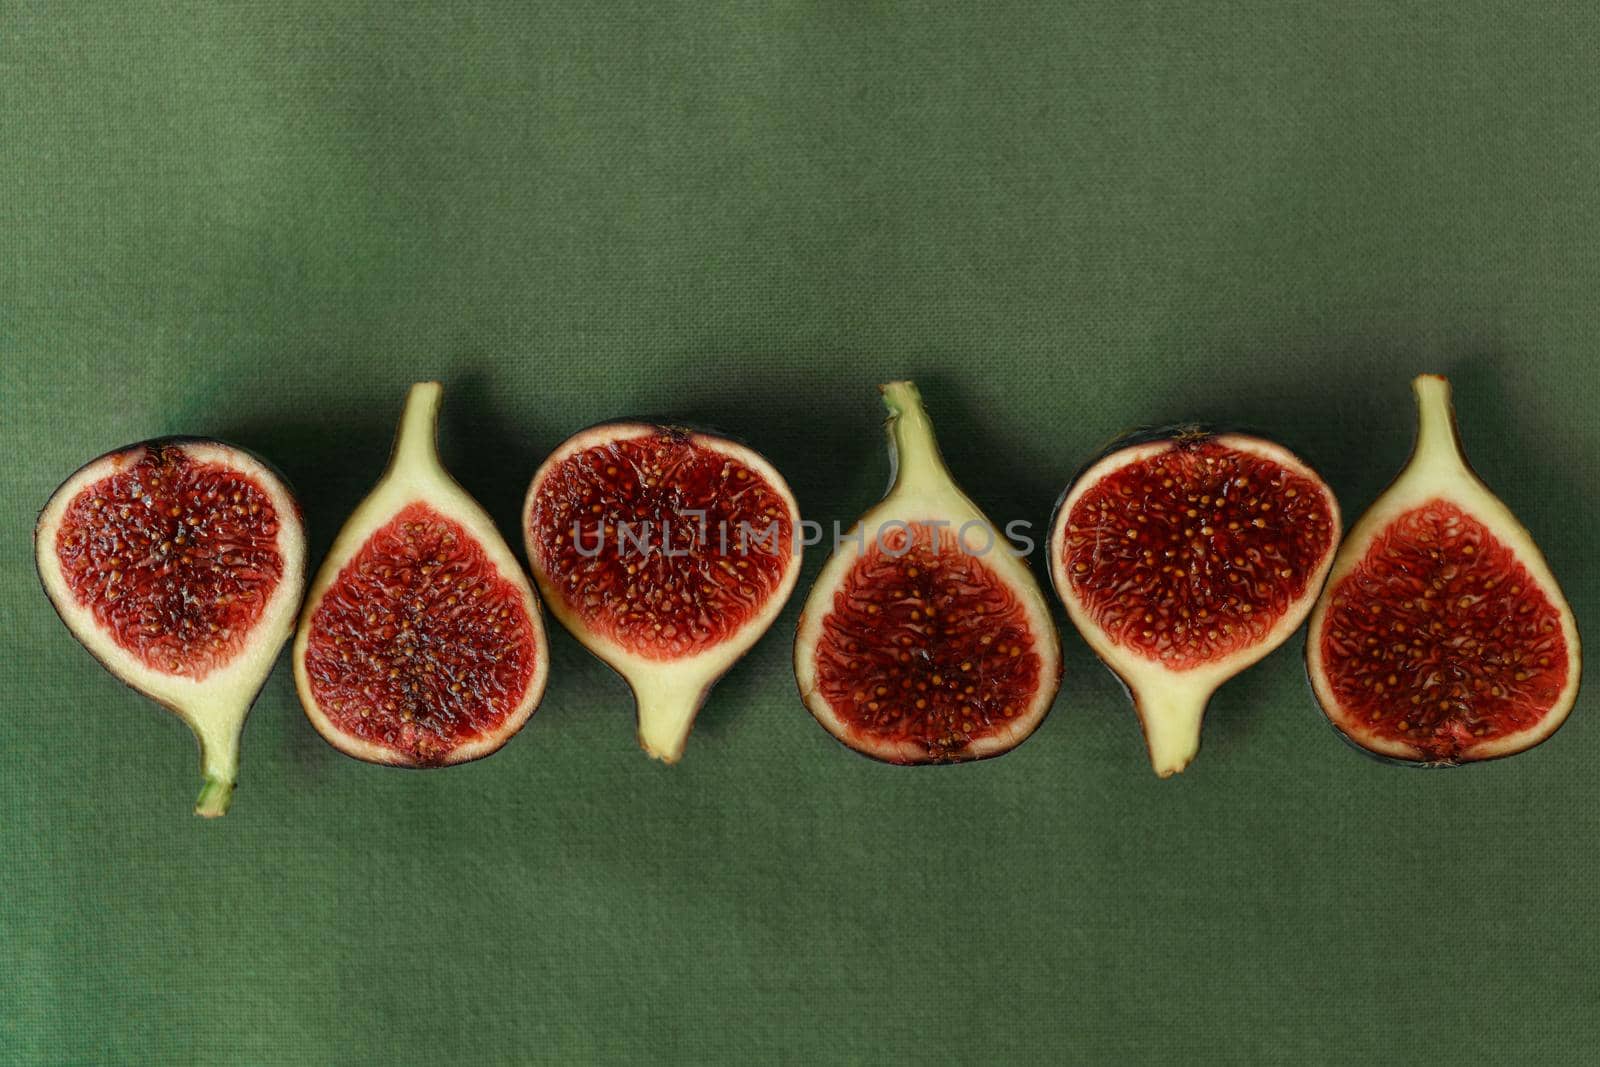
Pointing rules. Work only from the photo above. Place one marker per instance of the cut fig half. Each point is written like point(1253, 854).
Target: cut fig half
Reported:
point(1185, 559)
point(925, 638)
point(421, 644)
point(1442, 638)
point(667, 553)
point(179, 563)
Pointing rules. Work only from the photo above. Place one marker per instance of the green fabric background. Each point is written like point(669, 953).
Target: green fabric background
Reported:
point(262, 221)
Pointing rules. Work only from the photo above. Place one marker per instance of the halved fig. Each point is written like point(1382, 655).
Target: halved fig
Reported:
point(179, 563)
point(925, 638)
point(1185, 559)
point(667, 552)
point(421, 644)
point(1442, 637)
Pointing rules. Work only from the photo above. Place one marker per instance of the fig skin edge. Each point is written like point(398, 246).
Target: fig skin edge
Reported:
point(415, 475)
point(922, 488)
point(1171, 705)
point(1438, 469)
point(215, 707)
point(667, 693)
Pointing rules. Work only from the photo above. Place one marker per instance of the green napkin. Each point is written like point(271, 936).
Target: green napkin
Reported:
point(262, 221)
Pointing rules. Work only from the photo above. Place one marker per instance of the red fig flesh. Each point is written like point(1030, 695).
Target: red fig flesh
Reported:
point(925, 639)
point(179, 563)
point(1185, 560)
point(1442, 636)
point(421, 644)
point(667, 553)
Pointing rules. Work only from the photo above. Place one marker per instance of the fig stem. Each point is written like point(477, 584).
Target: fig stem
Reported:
point(416, 441)
point(665, 717)
point(215, 796)
point(1172, 719)
point(1436, 420)
point(913, 449)
point(218, 734)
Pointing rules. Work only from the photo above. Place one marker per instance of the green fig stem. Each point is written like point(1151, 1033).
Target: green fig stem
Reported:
point(416, 442)
point(215, 796)
point(1436, 421)
point(218, 734)
point(912, 446)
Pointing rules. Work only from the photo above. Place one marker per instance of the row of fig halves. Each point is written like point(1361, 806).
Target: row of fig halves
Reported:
point(1438, 634)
